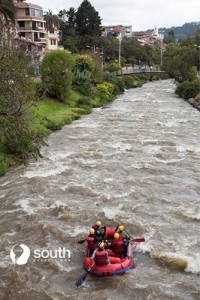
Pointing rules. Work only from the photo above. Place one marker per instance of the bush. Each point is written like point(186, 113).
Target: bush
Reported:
point(84, 62)
point(81, 77)
point(56, 73)
point(105, 91)
point(19, 140)
point(119, 85)
point(188, 89)
point(4, 164)
point(112, 67)
point(83, 101)
point(84, 89)
point(131, 81)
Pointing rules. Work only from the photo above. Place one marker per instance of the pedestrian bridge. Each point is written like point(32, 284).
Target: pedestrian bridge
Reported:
point(131, 71)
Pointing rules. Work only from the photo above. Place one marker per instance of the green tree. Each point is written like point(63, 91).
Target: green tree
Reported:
point(52, 21)
point(170, 37)
point(56, 73)
point(84, 62)
point(88, 24)
point(16, 98)
point(68, 32)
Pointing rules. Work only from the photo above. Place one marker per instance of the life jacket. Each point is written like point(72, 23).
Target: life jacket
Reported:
point(121, 236)
point(91, 242)
point(101, 257)
point(118, 246)
point(98, 230)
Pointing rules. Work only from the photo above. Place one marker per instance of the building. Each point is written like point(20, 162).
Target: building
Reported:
point(117, 30)
point(30, 24)
point(149, 37)
point(31, 27)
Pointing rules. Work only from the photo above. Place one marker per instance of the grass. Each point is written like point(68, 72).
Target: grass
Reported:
point(50, 115)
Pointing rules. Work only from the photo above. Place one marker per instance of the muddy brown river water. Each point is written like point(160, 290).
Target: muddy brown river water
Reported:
point(135, 162)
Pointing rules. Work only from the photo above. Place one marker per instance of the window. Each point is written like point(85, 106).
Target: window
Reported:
point(27, 12)
point(53, 42)
point(34, 25)
point(38, 13)
point(22, 34)
point(21, 23)
point(36, 39)
point(32, 12)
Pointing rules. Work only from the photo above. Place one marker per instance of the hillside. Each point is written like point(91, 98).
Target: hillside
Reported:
point(187, 29)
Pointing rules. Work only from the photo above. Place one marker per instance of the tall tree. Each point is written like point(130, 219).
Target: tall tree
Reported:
point(7, 13)
point(170, 37)
point(16, 98)
point(52, 21)
point(67, 27)
point(88, 24)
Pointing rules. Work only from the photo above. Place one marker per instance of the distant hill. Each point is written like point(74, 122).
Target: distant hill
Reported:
point(181, 32)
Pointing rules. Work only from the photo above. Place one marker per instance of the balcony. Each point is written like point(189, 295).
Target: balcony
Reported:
point(42, 40)
point(39, 28)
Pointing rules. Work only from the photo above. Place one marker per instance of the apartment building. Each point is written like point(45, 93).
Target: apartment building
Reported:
point(31, 27)
point(30, 24)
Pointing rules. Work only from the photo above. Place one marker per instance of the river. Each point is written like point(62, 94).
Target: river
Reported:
point(136, 162)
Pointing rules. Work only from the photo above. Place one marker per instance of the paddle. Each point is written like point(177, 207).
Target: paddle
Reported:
point(116, 228)
point(80, 281)
point(128, 233)
point(140, 240)
point(81, 241)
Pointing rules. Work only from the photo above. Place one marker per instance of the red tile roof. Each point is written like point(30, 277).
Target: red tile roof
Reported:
point(25, 5)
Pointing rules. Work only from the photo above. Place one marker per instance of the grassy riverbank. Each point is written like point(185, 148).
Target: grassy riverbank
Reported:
point(49, 114)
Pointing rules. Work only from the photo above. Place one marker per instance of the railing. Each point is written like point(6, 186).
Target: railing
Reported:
point(37, 28)
point(147, 70)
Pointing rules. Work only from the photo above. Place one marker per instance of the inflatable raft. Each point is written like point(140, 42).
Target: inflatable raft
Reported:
point(118, 264)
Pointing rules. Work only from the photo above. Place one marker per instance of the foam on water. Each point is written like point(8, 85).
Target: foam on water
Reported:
point(47, 171)
point(177, 260)
point(25, 205)
point(111, 212)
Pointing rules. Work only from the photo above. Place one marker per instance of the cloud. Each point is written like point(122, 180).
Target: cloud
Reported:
point(141, 14)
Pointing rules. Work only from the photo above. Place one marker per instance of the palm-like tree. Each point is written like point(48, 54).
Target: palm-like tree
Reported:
point(52, 20)
point(7, 10)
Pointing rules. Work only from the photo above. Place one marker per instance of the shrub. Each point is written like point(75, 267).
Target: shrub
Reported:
point(4, 164)
point(81, 77)
point(119, 85)
point(112, 67)
point(188, 89)
point(19, 140)
point(131, 82)
point(84, 89)
point(56, 73)
point(83, 101)
point(105, 90)
point(84, 62)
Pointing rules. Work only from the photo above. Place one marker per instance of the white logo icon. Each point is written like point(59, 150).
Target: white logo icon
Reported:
point(23, 258)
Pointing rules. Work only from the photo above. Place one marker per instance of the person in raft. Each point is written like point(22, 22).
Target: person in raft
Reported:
point(100, 255)
point(92, 241)
point(124, 238)
point(122, 234)
point(117, 244)
point(98, 229)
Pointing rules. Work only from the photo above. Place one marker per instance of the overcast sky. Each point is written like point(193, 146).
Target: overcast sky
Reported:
point(141, 14)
